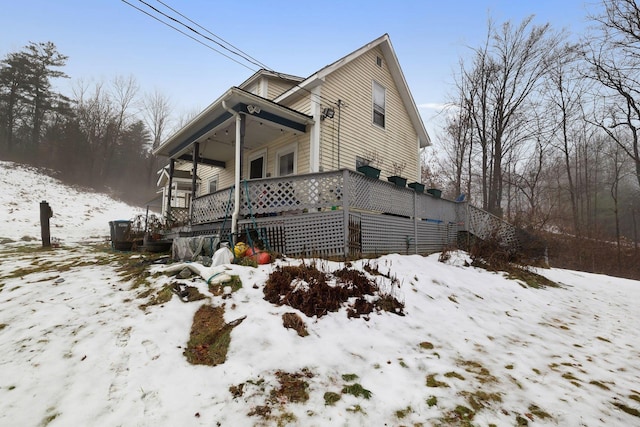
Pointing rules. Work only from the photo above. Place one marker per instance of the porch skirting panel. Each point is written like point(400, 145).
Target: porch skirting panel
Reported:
point(322, 234)
point(389, 234)
point(318, 234)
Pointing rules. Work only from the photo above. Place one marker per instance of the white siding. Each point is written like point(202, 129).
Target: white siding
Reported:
point(276, 87)
point(396, 143)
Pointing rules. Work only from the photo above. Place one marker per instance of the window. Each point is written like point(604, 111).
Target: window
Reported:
point(256, 168)
point(257, 165)
point(379, 61)
point(378, 104)
point(287, 161)
point(213, 185)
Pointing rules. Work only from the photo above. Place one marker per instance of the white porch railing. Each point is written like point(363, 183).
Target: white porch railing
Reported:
point(344, 189)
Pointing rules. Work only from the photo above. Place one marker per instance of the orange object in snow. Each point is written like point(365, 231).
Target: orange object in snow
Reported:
point(263, 258)
point(259, 256)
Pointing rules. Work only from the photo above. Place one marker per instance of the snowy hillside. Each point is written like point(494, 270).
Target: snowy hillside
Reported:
point(86, 342)
point(77, 215)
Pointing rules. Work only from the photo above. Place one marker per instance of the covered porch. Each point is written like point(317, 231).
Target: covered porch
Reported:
point(220, 137)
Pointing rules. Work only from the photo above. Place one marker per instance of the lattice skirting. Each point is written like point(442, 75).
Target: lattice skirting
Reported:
point(390, 234)
point(321, 234)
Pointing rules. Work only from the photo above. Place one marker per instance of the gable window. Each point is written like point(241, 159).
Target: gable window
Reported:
point(287, 161)
point(257, 166)
point(378, 104)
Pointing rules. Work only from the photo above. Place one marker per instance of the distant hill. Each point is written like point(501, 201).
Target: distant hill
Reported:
point(78, 214)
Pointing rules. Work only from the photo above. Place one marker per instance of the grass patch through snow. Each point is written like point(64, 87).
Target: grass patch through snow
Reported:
point(210, 336)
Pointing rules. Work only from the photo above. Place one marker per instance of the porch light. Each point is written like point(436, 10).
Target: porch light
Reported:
point(327, 113)
point(253, 109)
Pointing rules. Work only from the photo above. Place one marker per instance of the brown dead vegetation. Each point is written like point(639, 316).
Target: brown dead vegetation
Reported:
point(307, 289)
point(593, 256)
point(295, 322)
point(491, 255)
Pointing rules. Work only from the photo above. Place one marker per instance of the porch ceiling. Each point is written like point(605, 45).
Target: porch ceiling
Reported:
point(214, 128)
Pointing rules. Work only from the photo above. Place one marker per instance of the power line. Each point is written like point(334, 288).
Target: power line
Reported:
point(257, 62)
point(246, 58)
point(188, 35)
point(237, 51)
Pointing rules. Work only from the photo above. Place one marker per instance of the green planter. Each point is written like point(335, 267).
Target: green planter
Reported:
point(369, 171)
point(435, 192)
point(398, 180)
point(417, 187)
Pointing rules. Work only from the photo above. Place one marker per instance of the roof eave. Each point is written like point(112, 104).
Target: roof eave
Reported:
point(233, 96)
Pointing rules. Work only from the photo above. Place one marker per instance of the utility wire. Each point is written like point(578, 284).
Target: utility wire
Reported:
point(246, 58)
point(257, 62)
point(237, 51)
point(188, 35)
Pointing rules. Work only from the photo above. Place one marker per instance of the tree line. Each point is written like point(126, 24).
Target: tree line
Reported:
point(99, 137)
point(543, 127)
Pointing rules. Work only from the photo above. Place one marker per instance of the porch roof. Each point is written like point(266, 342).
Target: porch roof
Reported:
point(178, 176)
point(214, 128)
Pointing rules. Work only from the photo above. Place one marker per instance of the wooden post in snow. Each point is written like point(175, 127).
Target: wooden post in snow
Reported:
point(45, 214)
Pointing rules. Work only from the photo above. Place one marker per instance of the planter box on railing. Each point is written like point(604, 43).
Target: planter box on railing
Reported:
point(418, 187)
point(398, 180)
point(435, 192)
point(369, 171)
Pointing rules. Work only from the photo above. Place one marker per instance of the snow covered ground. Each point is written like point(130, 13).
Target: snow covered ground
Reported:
point(474, 347)
point(77, 215)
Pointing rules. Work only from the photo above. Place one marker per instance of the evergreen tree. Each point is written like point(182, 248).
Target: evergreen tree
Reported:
point(26, 95)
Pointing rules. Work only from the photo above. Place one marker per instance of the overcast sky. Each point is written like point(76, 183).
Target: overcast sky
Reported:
point(107, 38)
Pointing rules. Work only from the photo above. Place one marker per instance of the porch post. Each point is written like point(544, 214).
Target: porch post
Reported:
point(240, 131)
point(172, 167)
point(196, 151)
point(345, 210)
point(314, 134)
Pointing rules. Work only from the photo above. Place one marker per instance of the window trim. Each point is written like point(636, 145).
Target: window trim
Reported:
point(374, 85)
point(212, 180)
point(291, 148)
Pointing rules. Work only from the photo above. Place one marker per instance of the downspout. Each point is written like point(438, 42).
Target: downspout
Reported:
point(194, 176)
point(339, 114)
point(236, 199)
point(172, 168)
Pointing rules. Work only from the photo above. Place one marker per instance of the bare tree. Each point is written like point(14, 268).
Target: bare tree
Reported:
point(122, 95)
point(103, 117)
point(157, 113)
point(616, 160)
point(94, 112)
point(564, 93)
point(614, 56)
point(499, 84)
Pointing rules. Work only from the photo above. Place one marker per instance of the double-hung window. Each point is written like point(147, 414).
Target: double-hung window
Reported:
point(378, 104)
